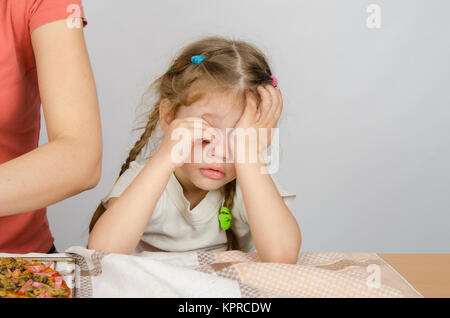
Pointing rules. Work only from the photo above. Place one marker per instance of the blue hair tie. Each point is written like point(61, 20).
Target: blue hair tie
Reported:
point(197, 59)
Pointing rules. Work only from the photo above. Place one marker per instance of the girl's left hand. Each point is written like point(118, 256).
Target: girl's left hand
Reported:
point(266, 115)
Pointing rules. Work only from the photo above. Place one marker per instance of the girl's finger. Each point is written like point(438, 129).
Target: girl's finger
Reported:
point(250, 110)
point(212, 134)
point(253, 109)
point(266, 102)
point(194, 124)
point(279, 108)
point(203, 134)
point(193, 120)
point(275, 101)
point(280, 96)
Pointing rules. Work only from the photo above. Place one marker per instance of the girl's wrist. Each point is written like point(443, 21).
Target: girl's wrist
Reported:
point(248, 167)
point(164, 161)
point(249, 157)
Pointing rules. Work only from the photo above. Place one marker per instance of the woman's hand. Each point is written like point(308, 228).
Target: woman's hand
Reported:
point(265, 116)
point(181, 137)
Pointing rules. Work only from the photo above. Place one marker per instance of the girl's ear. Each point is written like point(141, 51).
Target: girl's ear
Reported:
point(165, 114)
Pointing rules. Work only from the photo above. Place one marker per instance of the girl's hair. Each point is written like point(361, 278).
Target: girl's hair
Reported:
point(228, 65)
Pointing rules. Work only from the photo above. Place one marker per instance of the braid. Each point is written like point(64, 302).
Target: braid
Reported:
point(134, 152)
point(229, 192)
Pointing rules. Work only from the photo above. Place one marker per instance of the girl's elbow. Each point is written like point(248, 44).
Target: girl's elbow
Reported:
point(288, 258)
point(284, 257)
point(100, 242)
point(94, 244)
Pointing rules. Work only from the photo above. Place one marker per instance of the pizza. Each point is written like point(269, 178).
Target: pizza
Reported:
point(25, 278)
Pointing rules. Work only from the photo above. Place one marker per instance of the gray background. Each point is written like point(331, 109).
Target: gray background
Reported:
point(365, 135)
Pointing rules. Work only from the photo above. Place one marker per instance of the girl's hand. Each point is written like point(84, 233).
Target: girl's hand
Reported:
point(181, 136)
point(265, 116)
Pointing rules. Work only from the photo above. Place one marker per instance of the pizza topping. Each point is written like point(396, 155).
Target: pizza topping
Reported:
point(24, 287)
point(37, 285)
point(27, 278)
point(40, 278)
point(58, 282)
point(35, 269)
point(44, 294)
point(48, 274)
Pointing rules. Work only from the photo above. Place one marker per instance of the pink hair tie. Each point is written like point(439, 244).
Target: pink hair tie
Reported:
point(274, 81)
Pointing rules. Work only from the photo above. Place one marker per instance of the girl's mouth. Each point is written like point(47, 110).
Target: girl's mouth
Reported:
point(212, 173)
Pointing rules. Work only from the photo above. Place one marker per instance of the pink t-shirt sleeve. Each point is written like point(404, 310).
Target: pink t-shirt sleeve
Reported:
point(45, 11)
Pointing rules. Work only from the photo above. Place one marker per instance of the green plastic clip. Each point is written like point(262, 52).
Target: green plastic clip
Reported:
point(225, 218)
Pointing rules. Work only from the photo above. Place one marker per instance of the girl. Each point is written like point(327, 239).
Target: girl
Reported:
point(162, 204)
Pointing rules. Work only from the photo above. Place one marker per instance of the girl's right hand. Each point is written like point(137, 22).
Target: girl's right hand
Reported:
point(181, 136)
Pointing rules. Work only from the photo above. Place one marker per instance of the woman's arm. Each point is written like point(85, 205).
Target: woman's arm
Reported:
point(71, 161)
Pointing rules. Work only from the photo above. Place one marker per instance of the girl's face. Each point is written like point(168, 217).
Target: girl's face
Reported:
point(221, 110)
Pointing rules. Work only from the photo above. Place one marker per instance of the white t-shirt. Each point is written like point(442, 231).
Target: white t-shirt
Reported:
point(174, 227)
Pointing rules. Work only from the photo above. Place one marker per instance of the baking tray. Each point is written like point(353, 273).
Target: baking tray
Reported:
point(66, 266)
